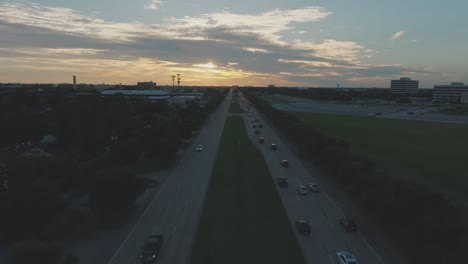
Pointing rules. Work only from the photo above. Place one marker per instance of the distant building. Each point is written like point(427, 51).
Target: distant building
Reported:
point(404, 86)
point(146, 85)
point(143, 94)
point(453, 93)
point(271, 86)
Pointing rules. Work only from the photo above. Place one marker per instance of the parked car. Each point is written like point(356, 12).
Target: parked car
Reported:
point(303, 227)
point(348, 224)
point(260, 126)
point(261, 140)
point(199, 148)
point(257, 131)
point(313, 187)
point(302, 190)
point(151, 249)
point(346, 258)
point(284, 163)
point(274, 147)
point(282, 182)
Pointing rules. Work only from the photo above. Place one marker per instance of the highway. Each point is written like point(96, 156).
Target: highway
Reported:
point(327, 236)
point(175, 210)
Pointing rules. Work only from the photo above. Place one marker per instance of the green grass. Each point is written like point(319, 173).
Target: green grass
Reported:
point(430, 153)
point(274, 99)
point(243, 220)
point(234, 108)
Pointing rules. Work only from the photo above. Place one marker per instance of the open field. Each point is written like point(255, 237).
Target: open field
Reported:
point(272, 99)
point(234, 107)
point(423, 152)
point(243, 220)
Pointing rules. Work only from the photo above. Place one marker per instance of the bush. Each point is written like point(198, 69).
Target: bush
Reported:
point(35, 251)
point(114, 191)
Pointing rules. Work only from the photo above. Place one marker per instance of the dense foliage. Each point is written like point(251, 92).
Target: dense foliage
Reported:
point(72, 160)
point(423, 224)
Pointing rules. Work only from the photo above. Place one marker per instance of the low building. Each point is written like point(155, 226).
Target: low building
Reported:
point(147, 85)
point(404, 86)
point(453, 93)
point(143, 94)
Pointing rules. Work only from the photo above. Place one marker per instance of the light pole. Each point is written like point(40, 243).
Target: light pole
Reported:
point(173, 78)
point(178, 80)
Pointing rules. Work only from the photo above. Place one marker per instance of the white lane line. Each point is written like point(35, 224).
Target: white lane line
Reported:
point(331, 259)
point(373, 250)
point(334, 204)
point(134, 227)
point(173, 230)
point(297, 197)
point(154, 229)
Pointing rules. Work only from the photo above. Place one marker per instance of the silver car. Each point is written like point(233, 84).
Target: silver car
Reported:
point(346, 258)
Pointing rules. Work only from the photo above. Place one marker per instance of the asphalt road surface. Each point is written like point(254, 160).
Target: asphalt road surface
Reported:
point(327, 236)
point(175, 210)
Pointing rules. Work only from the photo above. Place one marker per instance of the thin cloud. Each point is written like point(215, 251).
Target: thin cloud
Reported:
point(398, 34)
point(153, 5)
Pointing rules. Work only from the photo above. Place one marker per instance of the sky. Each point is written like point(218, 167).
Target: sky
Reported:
point(299, 43)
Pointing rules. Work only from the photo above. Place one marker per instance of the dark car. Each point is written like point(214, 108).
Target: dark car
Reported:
point(284, 163)
point(260, 126)
point(283, 182)
point(303, 227)
point(254, 126)
point(274, 147)
point(348, 224)
point(150, 251)
point(261, 140)
point(257, 131)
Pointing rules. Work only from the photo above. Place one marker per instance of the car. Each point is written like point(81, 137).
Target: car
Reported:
point(313, 187)
point(151, 249)
point(302, 190)
point(303, 227)
point(348, 224)
point(282, 182)
point(256, 119)
point(254, 126)
point(260, 125)
point(410, 113)
point(199, 148)
point(274, 146)
point(257, 131)
point(346, 258)
point(261, 140)
point(284, 163)
point(371, 114)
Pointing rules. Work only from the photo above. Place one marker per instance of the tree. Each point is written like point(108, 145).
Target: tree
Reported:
point(35, 251)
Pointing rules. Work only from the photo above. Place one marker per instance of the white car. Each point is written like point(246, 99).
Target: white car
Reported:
point(199, 148)
point(346, 258)
point(302, 190)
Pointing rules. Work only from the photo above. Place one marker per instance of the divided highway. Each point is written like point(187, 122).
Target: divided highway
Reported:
point(175, 210)
point(327, 236)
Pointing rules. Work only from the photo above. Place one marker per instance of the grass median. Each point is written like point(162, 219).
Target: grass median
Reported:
point(243, 220)
point(234, 107)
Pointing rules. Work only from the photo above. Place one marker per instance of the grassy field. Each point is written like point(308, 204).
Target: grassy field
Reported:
point(274, 99)
point(243, 220)
point(234, 107)
point(423, 152)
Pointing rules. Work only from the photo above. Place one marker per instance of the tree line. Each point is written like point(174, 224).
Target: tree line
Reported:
point(88, 178)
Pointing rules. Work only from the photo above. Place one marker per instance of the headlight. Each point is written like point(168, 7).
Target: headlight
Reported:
point(154, 256)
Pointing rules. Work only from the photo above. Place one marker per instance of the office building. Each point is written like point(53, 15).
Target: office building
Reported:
point(404, 86)
point(453, 93)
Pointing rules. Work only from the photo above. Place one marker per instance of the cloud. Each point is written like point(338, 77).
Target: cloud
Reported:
point(218, 48)
point(153, 5)
point(398, 34)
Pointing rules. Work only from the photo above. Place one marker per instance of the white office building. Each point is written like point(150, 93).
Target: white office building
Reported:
point(453, 93)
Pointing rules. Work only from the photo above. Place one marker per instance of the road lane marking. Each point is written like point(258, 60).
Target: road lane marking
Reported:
point(331, 201)
point(373, 250)
point(173, 230)
point(331, 259)
point(137, 223)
